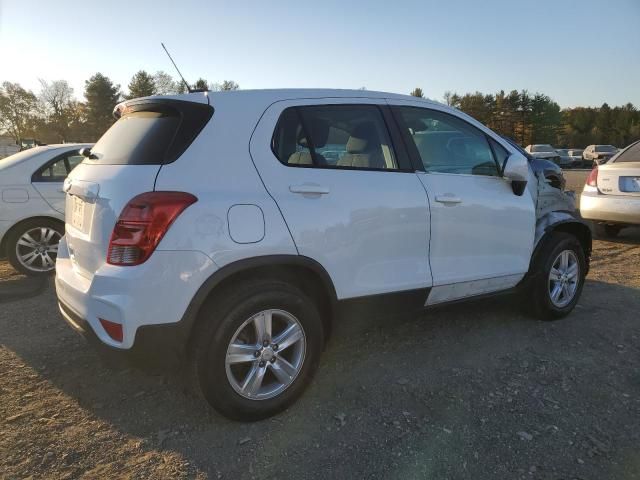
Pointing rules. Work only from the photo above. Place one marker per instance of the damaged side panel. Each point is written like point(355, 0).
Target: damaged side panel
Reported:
point(553, 206)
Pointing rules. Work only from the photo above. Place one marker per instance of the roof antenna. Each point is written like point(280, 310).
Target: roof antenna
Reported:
point(189, 89)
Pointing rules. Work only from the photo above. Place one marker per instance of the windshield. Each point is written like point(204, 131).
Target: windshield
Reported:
point(575, 153)
point(606, 149)
point(563, 151)
point(542, 148)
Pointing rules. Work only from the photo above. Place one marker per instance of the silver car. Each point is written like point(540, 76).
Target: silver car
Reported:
point(611, 195)
point(598, 154)
point(570, 157)
point(544, 151)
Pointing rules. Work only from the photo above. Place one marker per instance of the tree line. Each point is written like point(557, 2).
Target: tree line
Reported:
point(531, 118)
point(53, 115)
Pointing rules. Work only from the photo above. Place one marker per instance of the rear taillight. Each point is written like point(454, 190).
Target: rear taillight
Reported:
point(592, 179)
point(142, 224)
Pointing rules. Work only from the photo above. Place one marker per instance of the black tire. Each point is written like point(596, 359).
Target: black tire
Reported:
point(607, 230)
point(537, 293)
point(217, 323)
point(17, 232)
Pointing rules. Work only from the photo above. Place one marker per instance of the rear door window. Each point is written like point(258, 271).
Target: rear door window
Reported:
point(151, 134)
point(58, 169)
point(334, 136)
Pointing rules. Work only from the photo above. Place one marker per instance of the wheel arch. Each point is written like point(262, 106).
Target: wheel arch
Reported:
point(7, 234)
point(567, 223)
point(301, 271)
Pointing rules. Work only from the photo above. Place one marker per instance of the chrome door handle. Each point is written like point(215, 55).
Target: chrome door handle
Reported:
point(448, 198)
point(309, 188)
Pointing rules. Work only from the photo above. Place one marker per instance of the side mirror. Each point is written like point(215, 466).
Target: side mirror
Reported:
point(86, 152)
point(516, 169)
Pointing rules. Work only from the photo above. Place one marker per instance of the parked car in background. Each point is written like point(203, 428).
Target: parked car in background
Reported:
point(214, 227)
point(32, 205)
point(8, 146)
point(544, 151)
point(570, 158)
point(595, 155)
point(551, 171)
point(611, 195)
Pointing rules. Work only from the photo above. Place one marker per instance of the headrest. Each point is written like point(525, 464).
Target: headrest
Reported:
point(363, 138)
point(319, 131)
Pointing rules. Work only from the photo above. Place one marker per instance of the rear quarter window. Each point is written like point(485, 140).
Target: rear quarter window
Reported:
point(151, 133)
point(630, 154)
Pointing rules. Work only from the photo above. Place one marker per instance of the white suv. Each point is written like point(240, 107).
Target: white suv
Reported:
point(233, 228)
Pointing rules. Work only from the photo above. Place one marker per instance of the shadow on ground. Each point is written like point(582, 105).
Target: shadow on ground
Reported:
point(468, 391)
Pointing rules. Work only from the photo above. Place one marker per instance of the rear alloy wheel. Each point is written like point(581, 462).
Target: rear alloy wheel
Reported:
point(256, 348)
point(32, 248)
point(265, 354)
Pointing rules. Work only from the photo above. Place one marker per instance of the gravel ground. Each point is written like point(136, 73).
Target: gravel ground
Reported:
point(470, 391)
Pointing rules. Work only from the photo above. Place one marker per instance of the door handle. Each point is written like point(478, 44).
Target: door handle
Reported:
point(309, 188)
point(448, 198)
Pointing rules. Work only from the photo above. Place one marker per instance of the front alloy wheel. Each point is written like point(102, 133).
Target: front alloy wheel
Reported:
point(563, 278)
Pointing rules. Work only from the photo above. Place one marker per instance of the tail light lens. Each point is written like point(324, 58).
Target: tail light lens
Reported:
point(592, 179)
point(142, 224)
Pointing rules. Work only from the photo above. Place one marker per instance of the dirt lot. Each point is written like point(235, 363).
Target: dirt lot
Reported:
point(471, 391)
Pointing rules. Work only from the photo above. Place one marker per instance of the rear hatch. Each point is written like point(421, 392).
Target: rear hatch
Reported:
point(621, 175)
point(124, 163)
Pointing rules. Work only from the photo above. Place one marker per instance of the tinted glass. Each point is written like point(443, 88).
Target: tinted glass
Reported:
point(630, 154)
point(606, 149)
point(53, 172)
point(74, 160)
point(447, 144)
point(542, 148)
point(501, 153)
point(334, 136)
point(137, 138)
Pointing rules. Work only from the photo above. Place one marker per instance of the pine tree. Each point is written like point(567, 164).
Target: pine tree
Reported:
point(141, 85)
point(102, 95)
point(417, 92)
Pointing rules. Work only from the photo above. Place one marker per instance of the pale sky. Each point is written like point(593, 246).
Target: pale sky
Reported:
point(577, 52)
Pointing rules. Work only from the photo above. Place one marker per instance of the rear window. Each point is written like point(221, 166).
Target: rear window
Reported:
point(606, 149)
point(542, 148)
point(630, 154)
point(151, 134)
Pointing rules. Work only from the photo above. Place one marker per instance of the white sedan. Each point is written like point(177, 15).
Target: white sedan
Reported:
point(611, 195)
point(32, 205)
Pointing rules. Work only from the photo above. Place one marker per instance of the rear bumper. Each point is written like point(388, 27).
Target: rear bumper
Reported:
point(148, 300)
point(610, 208)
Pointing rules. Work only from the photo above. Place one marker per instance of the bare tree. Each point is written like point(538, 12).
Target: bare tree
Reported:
point(56, 100)
point(225, 85)
point(164, 83)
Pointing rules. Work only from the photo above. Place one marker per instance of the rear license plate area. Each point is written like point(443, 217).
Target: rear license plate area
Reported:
point(630, 184)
